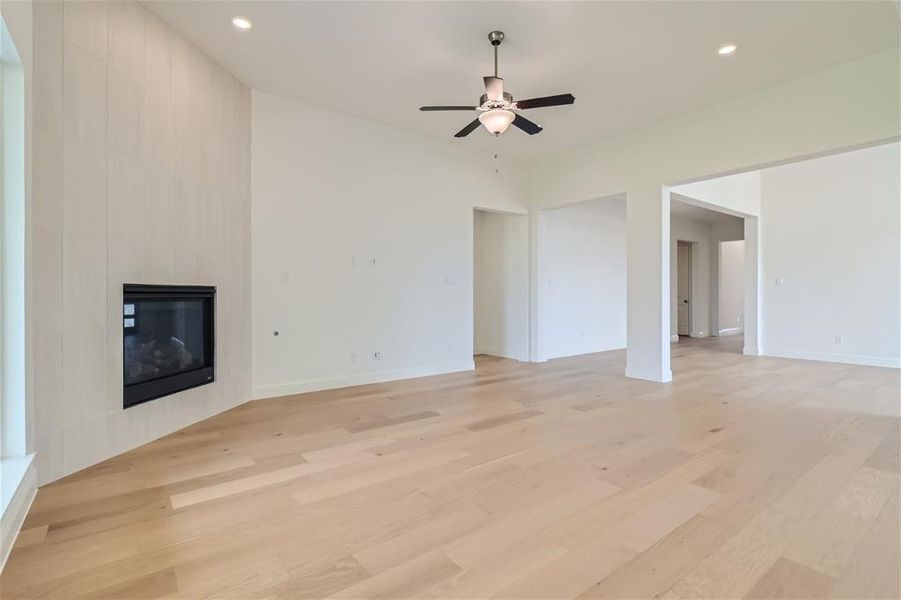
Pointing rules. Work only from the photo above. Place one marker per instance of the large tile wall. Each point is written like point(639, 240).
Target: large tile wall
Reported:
point(141, 175)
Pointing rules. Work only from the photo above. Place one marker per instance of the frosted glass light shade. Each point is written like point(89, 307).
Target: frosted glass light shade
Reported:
point(496, 121)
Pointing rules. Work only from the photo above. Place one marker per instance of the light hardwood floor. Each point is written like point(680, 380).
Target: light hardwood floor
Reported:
point(746, 477)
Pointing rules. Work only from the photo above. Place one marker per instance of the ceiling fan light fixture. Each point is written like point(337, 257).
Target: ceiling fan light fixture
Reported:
point(497, 120)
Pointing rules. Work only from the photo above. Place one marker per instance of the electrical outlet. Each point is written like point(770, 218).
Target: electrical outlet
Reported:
point(839, 340)
point(353, 357)
point(779, 280)
point(376, 355)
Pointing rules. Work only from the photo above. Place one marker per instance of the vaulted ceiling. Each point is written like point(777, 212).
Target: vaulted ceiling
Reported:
point(628, 63)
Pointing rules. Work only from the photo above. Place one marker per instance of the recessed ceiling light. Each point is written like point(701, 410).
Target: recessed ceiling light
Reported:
point(727, 49)
point(241, 23)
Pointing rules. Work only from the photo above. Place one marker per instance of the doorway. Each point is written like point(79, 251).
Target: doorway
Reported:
point(708, 274)
point(683, 287)
point(500, 284)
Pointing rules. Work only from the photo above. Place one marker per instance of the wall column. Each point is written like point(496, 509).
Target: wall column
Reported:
point(753, 345)
point(648, 272)
point(535, 353)
point(716, 249)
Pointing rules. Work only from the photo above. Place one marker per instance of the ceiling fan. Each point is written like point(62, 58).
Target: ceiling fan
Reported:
point(497, 106)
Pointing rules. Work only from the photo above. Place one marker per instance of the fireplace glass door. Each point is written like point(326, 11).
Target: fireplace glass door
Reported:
point(167, 340)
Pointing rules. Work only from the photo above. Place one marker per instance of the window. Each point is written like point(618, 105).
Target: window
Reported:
point(12, 249)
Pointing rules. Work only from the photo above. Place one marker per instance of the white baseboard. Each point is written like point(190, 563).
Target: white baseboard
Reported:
point(655, 376)
point(850, 359)
point(750, 351)
point(674, 338)
point(20, 484)
point(499, 353)
point(584, 352)
point(330, 383)
point(732, 331)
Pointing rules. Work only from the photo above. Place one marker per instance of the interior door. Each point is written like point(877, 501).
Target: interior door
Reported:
point(683, 287)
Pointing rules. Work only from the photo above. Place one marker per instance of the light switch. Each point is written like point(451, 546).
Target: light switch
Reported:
point(779, 280)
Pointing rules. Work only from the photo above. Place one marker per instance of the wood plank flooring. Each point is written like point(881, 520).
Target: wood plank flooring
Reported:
point(745, 478)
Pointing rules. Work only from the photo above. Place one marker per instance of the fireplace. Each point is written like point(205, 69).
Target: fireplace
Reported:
point(168, 340)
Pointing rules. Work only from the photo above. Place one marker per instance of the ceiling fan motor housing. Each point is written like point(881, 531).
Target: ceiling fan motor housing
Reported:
point(487, 104)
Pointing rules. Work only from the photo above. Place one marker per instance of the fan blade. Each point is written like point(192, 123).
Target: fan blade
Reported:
point(468, 129)
point(494, 88)
point(557, 100)
point(428, 108)
point(526, 125)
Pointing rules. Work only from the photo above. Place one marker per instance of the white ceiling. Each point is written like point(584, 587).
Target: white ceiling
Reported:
point(690, 211)
point(627, 63)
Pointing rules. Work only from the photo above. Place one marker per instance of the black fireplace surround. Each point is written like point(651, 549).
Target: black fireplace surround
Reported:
point(168, 340)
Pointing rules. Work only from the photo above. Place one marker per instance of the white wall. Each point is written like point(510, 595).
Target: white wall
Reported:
point(734, 230)
point(731, 285)
point(830, 235)
point(501, 280)
point(332, 194)
point(582, 278)
point(141, 154)
point(849, 105)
